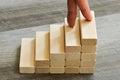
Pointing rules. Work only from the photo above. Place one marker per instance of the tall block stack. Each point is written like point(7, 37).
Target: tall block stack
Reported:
point(62, 49)
point(88, 42)
point(73, 47)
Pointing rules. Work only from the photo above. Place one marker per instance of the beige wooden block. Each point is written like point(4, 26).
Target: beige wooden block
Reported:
point(72, 63)
point(72, 70)
point(88, 63)
point(88, 30)
point(42, 70)
point(72, 37)
point(57, 60)
point(57, 51)
point(42, 49)
point(42, 64)
point(73, 56)
point(27, 61)
point(88, 56)
point(72, 60)
point(57, 70)
point(86, 70)
point(88, 49)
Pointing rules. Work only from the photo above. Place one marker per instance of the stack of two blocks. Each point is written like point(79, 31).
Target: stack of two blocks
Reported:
point(61, 50)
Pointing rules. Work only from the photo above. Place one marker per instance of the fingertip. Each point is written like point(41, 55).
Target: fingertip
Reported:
point(87, 14)
point(71, 22)
point(85, 9)
point(89, 18)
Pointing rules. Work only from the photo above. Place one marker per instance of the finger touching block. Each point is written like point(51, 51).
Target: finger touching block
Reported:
point(72, 37)
point(88, 30)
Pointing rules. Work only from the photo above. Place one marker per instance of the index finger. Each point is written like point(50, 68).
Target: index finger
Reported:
point(84, 7)
point(72, 12)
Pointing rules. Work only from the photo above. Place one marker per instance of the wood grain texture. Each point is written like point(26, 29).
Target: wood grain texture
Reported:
point(42, 70)
point(88, 30)
point(72, 37)
point(57, 51)
point(88, 49)
point(57, 70)
point(72, 70)
point(27, 60)
point(72, 60)
point(88, 63)
point(88, 56)
point(86, 70)
point(72, 43)
point(42, 49)
point(72, 63)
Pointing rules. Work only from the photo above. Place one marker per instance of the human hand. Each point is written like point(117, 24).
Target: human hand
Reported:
point(72, 10)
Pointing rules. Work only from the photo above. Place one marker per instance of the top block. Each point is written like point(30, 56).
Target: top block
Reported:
point(42, 49)
point(72, 37)
point(27, 61)
point(56, 39)
point(88, 30)
point(57, 53)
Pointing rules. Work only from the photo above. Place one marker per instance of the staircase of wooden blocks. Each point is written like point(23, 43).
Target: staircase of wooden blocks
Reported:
point(62, 49)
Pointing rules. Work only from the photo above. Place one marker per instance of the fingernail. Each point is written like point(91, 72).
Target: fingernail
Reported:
point(71, 21)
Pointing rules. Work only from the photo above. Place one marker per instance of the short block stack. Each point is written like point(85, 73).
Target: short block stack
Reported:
point(61, 50)
point(42, 52)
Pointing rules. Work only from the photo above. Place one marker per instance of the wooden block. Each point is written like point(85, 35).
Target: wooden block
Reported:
point(73, 56)
point(42, 49)
point(72, 37)
point(88, 56)
point(42, 70)
point(88, 30)
point(27, 61)
point(57, 70)
point(57, 60)
point(72, 70)
point(57, 51)
point(72, 60)
point(88, 63)
point(72, 63)
point(86, 70)
point(88, 49)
